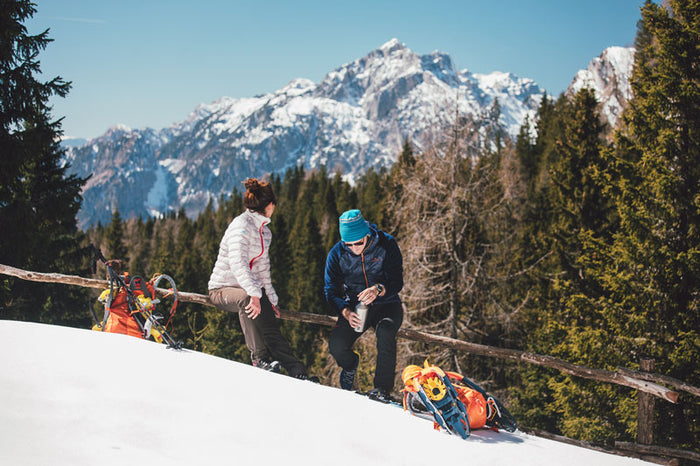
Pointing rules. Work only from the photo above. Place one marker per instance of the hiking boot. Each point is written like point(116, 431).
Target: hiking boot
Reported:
point(312, 378)
point(347, 379)
point(378, 394)
point(267, 365)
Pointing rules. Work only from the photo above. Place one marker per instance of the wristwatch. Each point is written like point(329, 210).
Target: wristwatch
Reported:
point(380, 288)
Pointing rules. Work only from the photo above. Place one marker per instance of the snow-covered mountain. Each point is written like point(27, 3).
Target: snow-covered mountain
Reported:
point(609, 77)
point(77, 397)
point(355, 118)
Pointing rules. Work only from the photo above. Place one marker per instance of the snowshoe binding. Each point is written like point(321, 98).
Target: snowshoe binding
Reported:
point(429, 390)
point(267, 365)
point(380, 395)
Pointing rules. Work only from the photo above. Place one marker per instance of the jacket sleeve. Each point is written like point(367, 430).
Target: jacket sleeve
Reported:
point(270, 290)
point(393, 268)
point(267, 279)
point(238, 259)
point(334, 281)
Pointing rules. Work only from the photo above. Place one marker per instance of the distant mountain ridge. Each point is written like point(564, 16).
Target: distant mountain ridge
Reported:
point(355, 118)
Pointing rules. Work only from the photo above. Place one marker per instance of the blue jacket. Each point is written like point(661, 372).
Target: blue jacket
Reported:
point(348, 274)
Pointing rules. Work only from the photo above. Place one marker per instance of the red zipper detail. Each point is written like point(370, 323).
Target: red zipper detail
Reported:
point(262, 247)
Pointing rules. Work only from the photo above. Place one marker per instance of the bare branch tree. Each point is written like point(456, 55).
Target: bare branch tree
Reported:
point(454, 220)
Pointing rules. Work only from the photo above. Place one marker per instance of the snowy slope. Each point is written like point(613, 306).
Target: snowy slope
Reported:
point(77, 397)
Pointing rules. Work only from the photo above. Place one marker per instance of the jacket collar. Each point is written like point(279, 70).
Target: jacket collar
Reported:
point(258, 218)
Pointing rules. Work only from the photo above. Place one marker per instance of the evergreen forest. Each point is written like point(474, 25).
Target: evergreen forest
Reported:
point(573, 240)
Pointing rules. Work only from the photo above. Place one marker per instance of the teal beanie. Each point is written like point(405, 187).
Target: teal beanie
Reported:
point(352, 226)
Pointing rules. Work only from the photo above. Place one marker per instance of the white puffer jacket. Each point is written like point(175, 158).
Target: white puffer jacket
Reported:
point(244, 259)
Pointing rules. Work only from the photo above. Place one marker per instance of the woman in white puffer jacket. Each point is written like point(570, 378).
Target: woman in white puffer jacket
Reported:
point(240, 282)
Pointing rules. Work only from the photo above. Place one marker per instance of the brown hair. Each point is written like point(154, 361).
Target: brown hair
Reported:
point(258, 195)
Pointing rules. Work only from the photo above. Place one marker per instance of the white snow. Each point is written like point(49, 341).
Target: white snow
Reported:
point(157, 197)
point(77, 397)
point(174, 166)
point(607, 75)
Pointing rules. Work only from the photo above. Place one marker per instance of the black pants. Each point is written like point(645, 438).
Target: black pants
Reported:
point(386, 320)
point(262, 334)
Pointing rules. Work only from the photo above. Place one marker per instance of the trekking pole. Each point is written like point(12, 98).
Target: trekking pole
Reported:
point(152, 320)
point(95, 255)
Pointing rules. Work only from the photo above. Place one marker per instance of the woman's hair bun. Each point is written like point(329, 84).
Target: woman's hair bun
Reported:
point(258, 195)
point(252, 184)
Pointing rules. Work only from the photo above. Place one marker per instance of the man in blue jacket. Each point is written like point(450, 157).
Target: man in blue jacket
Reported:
point(365, 266)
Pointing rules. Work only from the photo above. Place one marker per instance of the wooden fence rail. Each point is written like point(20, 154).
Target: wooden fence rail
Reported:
point(645, 382)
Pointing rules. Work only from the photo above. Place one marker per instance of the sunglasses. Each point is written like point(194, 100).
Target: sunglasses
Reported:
point(356, 243)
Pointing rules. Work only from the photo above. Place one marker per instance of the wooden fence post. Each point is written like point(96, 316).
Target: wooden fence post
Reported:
point(645, 409)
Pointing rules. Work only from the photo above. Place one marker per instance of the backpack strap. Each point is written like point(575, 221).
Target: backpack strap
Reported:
point(139, 286)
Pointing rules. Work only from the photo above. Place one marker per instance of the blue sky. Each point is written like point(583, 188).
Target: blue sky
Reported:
point(148, 63)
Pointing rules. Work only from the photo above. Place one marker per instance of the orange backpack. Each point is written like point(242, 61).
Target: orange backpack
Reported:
point(124, 313)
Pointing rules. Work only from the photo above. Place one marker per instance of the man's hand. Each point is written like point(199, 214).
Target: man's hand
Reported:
point(368, 295)
point(352, 318)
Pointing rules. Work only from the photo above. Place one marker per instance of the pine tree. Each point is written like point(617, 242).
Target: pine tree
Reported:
point(164, 260)
point(371, 190)
point(581, 220)
point(116, 249)
point(280, 252)
point(329, 225)
point(652, 268)
point(297, 260)
point(345, 194)
point(580, 206)
point(38, 202)
point(525, 150)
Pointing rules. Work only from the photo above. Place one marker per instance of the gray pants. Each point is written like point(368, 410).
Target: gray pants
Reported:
point(262, 334)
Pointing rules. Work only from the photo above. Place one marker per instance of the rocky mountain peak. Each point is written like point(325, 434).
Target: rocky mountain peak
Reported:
point(608, 75)
point(355, 118)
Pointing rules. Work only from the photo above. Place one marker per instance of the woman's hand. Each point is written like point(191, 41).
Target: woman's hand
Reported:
point(276, 308)
point(253, 308)
point(368, 295)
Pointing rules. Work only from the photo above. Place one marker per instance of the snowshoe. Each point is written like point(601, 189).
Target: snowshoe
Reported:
point(310, 378)
point(497, 416)
point(432, 390)
point(267, 365)
point(380, 395)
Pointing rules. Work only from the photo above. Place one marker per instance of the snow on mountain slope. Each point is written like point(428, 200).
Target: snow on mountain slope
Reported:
point(609, 77)
point(76, 397)
point(355, 118)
